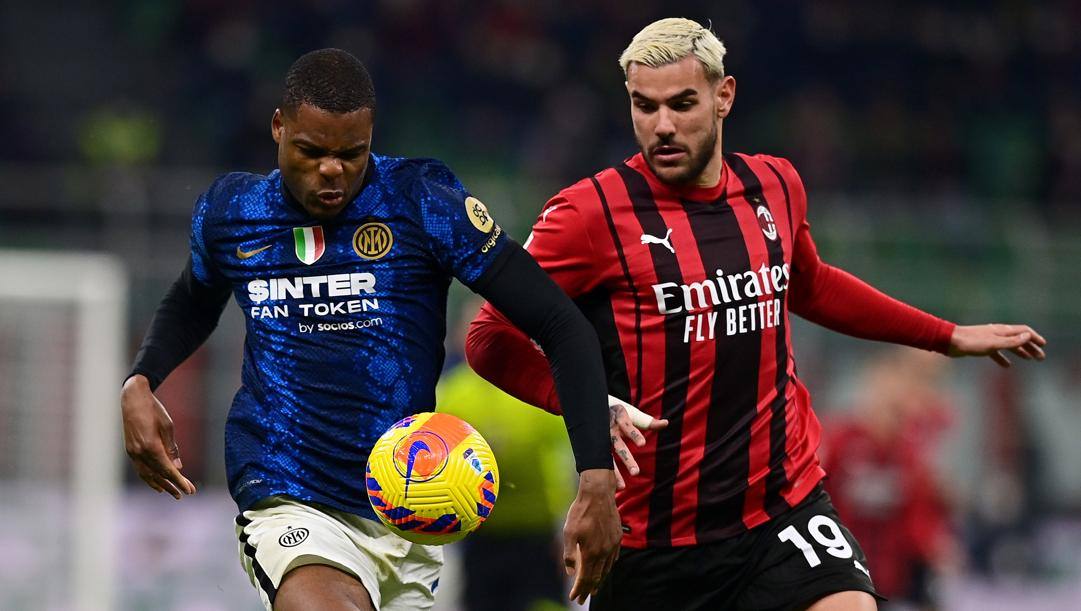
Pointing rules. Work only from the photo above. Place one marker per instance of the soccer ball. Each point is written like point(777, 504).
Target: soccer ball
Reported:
point(432, 478)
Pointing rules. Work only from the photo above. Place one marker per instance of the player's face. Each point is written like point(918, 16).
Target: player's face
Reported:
point(677, 114)
point(323, 156)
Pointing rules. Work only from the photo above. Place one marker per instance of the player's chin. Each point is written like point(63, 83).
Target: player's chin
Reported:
point(323, 210)
point(673, 173)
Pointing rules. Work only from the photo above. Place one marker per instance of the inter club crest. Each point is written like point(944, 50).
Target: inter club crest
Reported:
point(372, 240)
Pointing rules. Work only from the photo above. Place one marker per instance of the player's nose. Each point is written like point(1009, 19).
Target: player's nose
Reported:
point(331, 167)
point(665, 127)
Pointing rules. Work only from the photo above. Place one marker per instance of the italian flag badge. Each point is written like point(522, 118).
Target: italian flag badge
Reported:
point(310, 243)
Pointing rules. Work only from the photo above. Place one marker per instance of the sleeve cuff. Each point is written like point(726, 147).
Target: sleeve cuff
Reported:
point(501, 258)
point(945, 335)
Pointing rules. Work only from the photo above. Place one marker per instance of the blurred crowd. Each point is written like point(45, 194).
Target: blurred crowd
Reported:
point(924, 98)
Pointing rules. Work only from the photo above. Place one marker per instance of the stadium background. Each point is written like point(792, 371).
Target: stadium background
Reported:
point(940, 144)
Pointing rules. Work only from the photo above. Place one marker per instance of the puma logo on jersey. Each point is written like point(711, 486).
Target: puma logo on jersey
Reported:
point(240, 254)
point(652, 239)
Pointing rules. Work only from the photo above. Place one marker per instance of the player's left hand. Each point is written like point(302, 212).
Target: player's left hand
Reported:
point(992, 340)
point(627, 421)
point(592, 533)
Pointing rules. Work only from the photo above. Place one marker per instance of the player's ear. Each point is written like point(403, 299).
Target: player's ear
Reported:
point(277, 126)
point(725, 90)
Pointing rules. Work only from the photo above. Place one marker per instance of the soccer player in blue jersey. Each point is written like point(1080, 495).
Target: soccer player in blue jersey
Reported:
point(340, 261)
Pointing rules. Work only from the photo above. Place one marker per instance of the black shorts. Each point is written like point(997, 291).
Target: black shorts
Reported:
point(788, 563)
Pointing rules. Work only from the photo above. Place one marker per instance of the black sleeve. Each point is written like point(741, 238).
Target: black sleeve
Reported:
point(184, 319)
point(524, 293)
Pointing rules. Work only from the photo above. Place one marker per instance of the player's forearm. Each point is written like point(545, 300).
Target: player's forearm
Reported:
point(504, 356)
point(837, 300)
point(574, 356)
point(184, 319)
point(524, 293)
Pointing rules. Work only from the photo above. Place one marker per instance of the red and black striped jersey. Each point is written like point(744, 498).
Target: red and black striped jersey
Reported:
point(689, 291)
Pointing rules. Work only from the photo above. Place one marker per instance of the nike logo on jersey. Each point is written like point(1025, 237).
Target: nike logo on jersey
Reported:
point(240, 254)
point(652, 239)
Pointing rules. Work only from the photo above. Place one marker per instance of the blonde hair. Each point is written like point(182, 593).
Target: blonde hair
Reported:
point(667, 41)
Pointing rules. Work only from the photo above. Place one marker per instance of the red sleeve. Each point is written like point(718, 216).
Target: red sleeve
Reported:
point(561, 244)
point(837, 300)
point(502, 354)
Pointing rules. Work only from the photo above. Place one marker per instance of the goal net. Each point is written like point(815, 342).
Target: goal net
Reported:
point(62, 342)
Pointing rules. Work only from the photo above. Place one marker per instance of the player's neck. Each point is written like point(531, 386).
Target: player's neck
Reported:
point(710, 177)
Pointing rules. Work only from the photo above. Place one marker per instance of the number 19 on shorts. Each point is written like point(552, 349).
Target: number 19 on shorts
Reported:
point(825, 531)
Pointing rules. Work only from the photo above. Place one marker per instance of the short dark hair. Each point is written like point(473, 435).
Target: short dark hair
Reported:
point(329, 79)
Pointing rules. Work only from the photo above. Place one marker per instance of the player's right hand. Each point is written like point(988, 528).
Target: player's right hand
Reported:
point(592, 533)
point(149, 441)
point(624, 421)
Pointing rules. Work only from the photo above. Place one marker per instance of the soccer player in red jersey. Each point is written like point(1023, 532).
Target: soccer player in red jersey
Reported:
point(687, 261)
point(880, 458)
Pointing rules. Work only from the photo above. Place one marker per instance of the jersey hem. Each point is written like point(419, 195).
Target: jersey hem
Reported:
point(799, 494)
point(252, 499)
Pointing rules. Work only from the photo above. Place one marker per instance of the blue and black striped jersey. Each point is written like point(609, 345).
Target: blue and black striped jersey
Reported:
point(345, 319)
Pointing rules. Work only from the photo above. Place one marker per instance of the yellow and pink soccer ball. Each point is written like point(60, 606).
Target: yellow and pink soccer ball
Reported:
point(432, 478)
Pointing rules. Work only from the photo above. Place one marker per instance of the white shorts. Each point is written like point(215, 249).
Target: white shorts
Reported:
point(280, 534)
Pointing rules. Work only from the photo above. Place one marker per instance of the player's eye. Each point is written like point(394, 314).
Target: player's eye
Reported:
point(311, 153)
point(352, 154)
point(645, 106)
point(684, 105)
